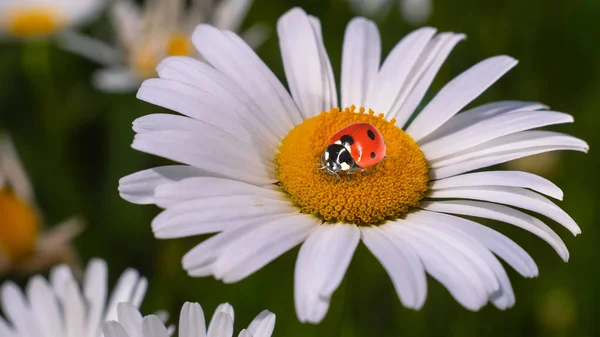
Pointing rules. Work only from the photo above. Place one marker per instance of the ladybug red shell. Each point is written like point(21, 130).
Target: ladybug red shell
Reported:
point(354, 147)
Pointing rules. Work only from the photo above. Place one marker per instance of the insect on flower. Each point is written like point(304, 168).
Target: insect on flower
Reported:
point(353, 148)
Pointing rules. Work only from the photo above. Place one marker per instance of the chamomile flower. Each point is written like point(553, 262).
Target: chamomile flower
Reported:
point(414, 12)
point(144, 36)
point(191, 323)
point(41, 18)
point(251, 152)
point(60, 306)
point(25, 247)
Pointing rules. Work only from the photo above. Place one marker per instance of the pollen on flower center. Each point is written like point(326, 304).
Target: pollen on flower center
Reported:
point(393, 187)
point(19, 226)
point(33, 22)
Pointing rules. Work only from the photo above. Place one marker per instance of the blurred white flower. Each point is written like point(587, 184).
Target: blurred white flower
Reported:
point(25, 247)
point(414, 12)
point(191, 323)
point(251, 151)
point(61, 307)
point(147, 35)
point(40, 18)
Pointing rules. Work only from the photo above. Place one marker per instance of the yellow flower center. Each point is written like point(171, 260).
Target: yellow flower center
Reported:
point(145, 59)
point(179, 45)
point(392, 188)
point(144, 62)
point(19, 227)
point(33, 22)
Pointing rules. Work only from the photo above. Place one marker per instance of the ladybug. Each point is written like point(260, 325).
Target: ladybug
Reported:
point(354, 147)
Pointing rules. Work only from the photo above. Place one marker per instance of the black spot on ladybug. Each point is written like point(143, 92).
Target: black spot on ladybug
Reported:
point(347, 139)
point(371, 134)
point(373, 154)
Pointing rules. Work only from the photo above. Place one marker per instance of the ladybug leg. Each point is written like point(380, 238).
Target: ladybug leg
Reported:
point(351, 172)
point(364, 172)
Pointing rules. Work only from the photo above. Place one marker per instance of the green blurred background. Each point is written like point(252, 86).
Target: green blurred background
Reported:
point(74, 142)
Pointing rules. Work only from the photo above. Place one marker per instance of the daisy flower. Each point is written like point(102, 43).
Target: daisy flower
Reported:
point(59, 306)
point(25, 247)
point(414, 12)
point(147, 35)
point(191, 323)
point(40, 18)
point(251, 152)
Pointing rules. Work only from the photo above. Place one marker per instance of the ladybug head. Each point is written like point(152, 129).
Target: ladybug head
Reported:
point(336, 158)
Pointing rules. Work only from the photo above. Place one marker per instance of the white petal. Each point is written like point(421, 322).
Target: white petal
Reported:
point(116, 80)
point(168, 195)
point(458, 93)
point(127, 19)
point(130, 319)
point(499, 244)
point(444, 264)
point(422, 75)
point(490, 129)
point(514, 142)
point(322, 262)
point(221, 325)
point(113, 329)
point(44, 306)
point(263, 325)
point(231, 56)
point(395, 70)
point(82, 11)
point(500, 178)
point(481, 113)
point(261, 246)
point(512, 196)
point(216, 214)
point(447, 240)
point(415, 12)
point(245, 333)
point(224, 157)
point(223, 128)
point(18, 311)
point(88, 47)
point(206, 94)
point(401, 263)
point(305, 63)
point(200, 259)
point(361, 56)
point(191, 321)
point(223, 308)
point(74, 310)
point(11, 170)
point(229, 14)
point(95, 292)
point(330, 89)
point(123, 292)
point(503, 297)
point(504, 214)
point(139, 187)
point(522, 144)
point(370, 7)
point(6, 331)
point(153, 327)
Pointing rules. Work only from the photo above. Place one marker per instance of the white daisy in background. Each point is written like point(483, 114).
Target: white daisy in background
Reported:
point(191, 323)
point(251, 152)
point(41, 18)
point(60, 307)
point(414, 12)
point(147, 35)
point(25, 247)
